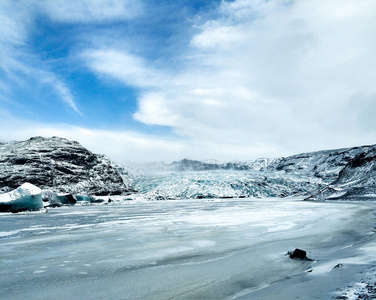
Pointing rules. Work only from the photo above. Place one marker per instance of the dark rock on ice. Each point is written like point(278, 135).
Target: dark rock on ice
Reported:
point(298, 253)
point(337, 266)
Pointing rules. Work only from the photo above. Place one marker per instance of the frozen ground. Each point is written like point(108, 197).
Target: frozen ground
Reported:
point(186, 249)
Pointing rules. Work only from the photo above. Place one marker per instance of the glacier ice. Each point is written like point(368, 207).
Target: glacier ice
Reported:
point(66, 199)
point(223, 184)
point(26, 197)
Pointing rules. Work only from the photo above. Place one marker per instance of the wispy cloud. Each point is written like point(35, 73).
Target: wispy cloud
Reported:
point(60, 88)
point(88, 11)
point(123, 66)
point(18, 63)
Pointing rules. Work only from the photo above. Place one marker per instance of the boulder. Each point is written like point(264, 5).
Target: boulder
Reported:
point(298, 253)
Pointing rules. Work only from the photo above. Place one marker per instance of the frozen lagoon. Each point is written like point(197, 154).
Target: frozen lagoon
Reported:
point(186, 249)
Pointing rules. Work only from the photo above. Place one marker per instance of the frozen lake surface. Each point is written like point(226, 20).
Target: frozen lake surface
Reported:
point(186, 249)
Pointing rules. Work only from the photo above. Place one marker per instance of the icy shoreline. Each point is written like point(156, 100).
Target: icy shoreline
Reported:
point(222, 249)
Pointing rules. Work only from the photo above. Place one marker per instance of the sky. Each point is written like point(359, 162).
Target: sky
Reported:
point(160, 80)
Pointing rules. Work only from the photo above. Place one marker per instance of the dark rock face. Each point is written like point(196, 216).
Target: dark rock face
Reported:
point(59, 165)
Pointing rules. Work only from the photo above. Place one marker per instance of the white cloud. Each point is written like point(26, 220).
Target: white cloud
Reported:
point(87, 11)
point(129, 69)
point(264, 75)
point(263, 78)
point(122, 146)
point(125, 146)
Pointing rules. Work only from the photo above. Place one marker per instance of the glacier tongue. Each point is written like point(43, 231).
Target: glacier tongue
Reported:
point(26, 197)
point(224, 184)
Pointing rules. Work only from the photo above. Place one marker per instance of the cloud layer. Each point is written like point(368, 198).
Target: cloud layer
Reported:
point(264, 74)
point(249, 79)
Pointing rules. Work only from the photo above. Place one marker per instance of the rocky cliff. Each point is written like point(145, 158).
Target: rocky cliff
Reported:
point(59, 165)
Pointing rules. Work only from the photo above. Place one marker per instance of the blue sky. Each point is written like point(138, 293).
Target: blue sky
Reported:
point(162, 80)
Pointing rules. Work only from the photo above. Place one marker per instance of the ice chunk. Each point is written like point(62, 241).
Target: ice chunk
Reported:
point(67, 199)
point(89, 199)
point(26, 197)
point(52, 198)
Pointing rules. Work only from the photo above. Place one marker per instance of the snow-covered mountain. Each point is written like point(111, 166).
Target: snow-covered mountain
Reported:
point(334, 174)
point(59, 165)
point(64, 166)
point(356, 180)
point(325, 164)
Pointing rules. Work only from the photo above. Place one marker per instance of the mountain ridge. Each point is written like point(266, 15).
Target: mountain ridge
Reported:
point(65, 166)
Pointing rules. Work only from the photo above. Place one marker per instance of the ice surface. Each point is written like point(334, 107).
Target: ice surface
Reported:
point(26, 197)
point(183, 249)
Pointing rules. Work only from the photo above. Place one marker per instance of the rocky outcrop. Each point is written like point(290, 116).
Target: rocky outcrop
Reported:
point(59, 165)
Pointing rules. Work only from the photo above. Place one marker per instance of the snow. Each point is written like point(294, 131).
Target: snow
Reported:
point(26, 197)
point(185, 249)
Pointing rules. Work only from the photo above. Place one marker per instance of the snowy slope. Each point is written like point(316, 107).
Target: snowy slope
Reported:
point(357, 180)
point(60, 165)
point(321, 164)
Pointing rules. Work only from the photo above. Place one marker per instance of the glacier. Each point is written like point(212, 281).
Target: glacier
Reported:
point(25, 197)
point(223, 184)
